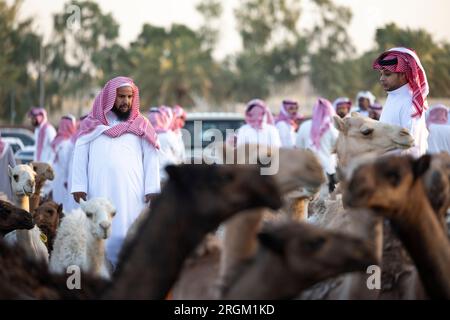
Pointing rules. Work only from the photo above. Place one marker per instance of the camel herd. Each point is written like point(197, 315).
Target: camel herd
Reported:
point(224, 231)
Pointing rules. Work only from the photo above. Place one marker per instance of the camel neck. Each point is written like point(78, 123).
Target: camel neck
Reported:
point(96, 255)
point(151, 265)
point(426, 241)
point(23, 202)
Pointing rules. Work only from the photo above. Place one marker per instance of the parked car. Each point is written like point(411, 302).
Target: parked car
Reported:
point(202, 129)
point(25, 155)
point(26, 135)
point(15, 143)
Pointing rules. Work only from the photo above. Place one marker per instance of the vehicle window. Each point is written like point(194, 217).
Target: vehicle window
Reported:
point(221, 125)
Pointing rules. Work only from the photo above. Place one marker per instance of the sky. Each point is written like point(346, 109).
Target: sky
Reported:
point(432, 15)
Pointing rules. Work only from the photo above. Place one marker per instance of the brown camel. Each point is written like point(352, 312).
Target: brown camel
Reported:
point(394, 188)
point(195, 200)
point(295, 256)
point(13, 218)
point(47, 217)
point(44, 172)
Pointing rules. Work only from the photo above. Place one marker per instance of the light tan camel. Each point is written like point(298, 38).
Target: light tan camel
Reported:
point(394, 188)
point(23, 185)
point(44, 172)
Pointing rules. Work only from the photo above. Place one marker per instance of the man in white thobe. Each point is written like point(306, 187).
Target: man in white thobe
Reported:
point(116, 157)
point(405, 81)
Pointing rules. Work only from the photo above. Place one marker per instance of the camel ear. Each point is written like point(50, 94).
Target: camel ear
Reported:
point(339, 123)
point(10, 169)
point(421, 165)
point(271, 241)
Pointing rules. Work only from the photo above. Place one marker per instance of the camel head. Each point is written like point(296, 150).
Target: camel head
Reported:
point(99, 213)
point(293, 169)
point(12, 218)
point(222, 189)
point(48, 215)
point(360, 135)
point(44, 171)
point(22, 179)
point(310, 254)
point(385, 184)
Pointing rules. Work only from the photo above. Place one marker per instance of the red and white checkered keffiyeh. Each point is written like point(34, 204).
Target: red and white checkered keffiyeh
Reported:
point(403, 60)
point(161, 118)
point(287, 117)
point(438, 114)
point(178, 112)
point(66, 129)
point(104, 102)
point(267, 119)
point(322, 120)
point(41, 117)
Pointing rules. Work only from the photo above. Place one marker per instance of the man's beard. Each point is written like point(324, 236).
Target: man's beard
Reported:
point(122, 115)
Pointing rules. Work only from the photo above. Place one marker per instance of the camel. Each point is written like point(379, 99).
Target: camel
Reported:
point(23, 185)
point(394, 188)
point(47, 217)
point(44, 172)
point(13, 218)
point(195, 201)
point(293, 256)
point(360, 135)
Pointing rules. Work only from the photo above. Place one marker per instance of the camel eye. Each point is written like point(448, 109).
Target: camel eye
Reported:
point(16, 177)
point(113, 214)
point(89, 214)
point(393, 177)
point(315, 244)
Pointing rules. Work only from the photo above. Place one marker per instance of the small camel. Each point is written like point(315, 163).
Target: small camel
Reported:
point(44, 172)
point(394, 188)
point(23, 185)
point(47, 217)
point(13, 218)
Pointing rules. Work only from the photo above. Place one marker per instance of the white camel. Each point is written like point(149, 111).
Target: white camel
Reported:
point(80, 238)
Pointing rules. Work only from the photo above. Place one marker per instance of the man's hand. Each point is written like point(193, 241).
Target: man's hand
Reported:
point(150, 197)
point(79, 195)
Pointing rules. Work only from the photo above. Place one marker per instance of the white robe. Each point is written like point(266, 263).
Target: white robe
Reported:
point(61, 168)
point(398, 110)
point(287, 134)
point(180, 151)
point(439, 138)
point(267, 136)
point(123, 170)
point(70, 203)
point(47, 153)
point(325, 153)
point(168, 153)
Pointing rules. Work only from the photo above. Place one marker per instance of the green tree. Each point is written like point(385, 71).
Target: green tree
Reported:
point(19, 47)
point(331, 70)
